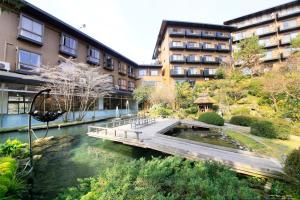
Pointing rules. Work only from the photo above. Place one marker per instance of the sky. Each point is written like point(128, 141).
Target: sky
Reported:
point(131, 26)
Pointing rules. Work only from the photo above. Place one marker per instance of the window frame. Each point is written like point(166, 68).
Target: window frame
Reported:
point(22, 15)
point(30, 65)
point(90, 58)
point(63, 35)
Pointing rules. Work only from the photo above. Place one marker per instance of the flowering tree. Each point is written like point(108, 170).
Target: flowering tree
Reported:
point(76, 84)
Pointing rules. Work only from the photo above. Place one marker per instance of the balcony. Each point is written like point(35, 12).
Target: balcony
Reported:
point(209, 47)
point(193, 46)
point(193, 59)
point(270, 44)
point(177, 33)
point(286, 53)
point(223, 48)
point(266, 31)
point(210, 60)
point(177, 72)
point(223, 36)
point(194, 73)
point(177, 45)
point(289, 12)
point(193, 33)
point(122, 71)
point(177, 59)
point(131, 75)
point(208, 35)
point(208, 73)
point(285, 40)
point(270, 57)
point(68, 51)
point(92, 60)
point(289, 26)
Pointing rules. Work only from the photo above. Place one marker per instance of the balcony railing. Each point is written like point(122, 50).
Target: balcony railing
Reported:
point(210, 60)
point(67, 51)
point(193, 33)
point(223, 48)
point(292, 11)
point(286, 40)
point(270, 44)
point(286, 53)
point(193, 59)
point(270, 57)
point(193, 46)
point(221, 35)
point(207, 73)
point(209, 47)
point(173, 45)
point(131, 75)
point(177, 59)
point(266, 31)
point(286, 27)
point(208, 34)
point(194, 73)
point(177, 72)
point(179, 33)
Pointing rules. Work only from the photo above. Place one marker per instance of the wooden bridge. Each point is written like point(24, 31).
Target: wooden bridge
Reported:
point(151, 136)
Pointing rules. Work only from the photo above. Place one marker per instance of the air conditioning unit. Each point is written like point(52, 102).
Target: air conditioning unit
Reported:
point(4, 65)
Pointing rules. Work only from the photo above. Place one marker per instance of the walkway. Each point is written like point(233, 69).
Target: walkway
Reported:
point(151, 136)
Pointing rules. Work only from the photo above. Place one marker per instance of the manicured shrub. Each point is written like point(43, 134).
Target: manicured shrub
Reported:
point(271, 129)
point(169, 178)
point(192, 110)
point(211, 118)
point(242, 120)
point(292, 164)
point(263, 128)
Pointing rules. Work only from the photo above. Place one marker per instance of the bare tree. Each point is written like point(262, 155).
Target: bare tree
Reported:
point(76, 84)
point(163, 94)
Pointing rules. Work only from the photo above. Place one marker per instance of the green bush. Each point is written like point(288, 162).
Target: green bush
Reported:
point(242, 120)
point(240, 111)
point(295, 130)
point(292, 164)
point(211, 118)
point(271, 129)
point(164, 179)
point(192, 110)
point(10, 185)
point(263, 128)
point(14, 148)
point(160, 110)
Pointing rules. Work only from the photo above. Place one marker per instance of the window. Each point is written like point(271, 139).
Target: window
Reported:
point(109, 62)
point(68, 45)
point(176, 44)
point(18, 104)
point(289, 24)
point(131, 71)
point(154, 72)
point(31, 29)
point(193, 70)
point(93, 55)
point(122, 68)
point(29, 61)
point(177, 57)
point(131, 86)
point(122, 84)
point(142, 72)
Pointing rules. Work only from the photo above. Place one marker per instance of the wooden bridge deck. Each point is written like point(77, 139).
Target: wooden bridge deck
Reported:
point(151, 136)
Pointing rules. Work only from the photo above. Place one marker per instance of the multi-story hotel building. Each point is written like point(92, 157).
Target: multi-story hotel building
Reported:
point(275, 27)
point(31, 38)
point(150, 75)
point(191, 51)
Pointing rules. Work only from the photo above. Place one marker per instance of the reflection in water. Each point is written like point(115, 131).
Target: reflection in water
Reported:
point(86, 157)
point(202, 135)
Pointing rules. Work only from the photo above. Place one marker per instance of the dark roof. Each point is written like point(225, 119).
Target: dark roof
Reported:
point(46, 17)
point(149, 66)
point(166, 23)
point(265, 11)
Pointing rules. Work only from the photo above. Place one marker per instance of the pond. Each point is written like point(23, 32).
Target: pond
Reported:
point(202, 135)
point(85, 157)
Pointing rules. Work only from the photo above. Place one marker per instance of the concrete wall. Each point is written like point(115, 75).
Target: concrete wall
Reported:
point(11, 121)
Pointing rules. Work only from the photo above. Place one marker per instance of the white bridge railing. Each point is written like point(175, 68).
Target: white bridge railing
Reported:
point(111, 132)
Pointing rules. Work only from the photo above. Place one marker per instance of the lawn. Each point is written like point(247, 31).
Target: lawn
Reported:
point(271, 147)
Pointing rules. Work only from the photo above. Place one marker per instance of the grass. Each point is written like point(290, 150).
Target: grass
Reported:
point(245, 140)
point(270, 147)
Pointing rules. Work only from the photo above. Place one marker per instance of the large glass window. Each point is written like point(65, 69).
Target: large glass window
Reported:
point(31, 29)
point(93, 55)
point(122, 84)
point(29, 61)
point(154, 72)
point(18, 104)
point(142, 72)
point(68, 45)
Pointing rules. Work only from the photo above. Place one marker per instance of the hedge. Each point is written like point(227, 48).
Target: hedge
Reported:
point(242, 120)
point(292, 164)
point(211, 118)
